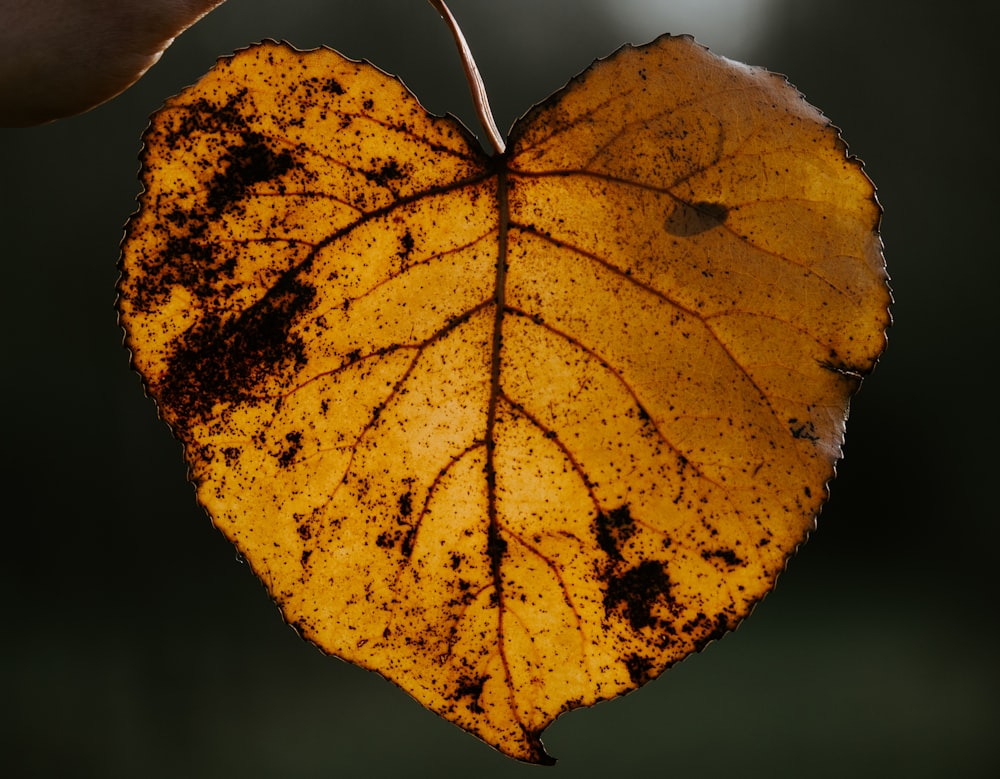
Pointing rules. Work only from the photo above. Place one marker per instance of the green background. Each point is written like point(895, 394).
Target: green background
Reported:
point(134, 644)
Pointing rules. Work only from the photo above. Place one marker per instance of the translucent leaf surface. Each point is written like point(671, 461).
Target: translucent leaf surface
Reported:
point(516, 432)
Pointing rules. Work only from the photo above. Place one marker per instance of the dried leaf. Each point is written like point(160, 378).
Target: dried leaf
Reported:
point(516, 432)
point(62, 57)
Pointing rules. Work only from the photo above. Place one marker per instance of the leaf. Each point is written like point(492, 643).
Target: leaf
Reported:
point(63, 57)
point(517, 432)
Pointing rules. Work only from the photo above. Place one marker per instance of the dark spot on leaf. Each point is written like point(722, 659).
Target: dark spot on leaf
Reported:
point(728, 556)
point(388, 172)
point(287, 456)
point(406, 504)
point(243, 166)
point(635, 593)
point(639, 668)
point(407, 546)
point(804, 430)
point(471, 688)
point(184, 261)
point(614, 529)
point(204, 116)
point(228, 362)
point(407, 243)
point(708, 628)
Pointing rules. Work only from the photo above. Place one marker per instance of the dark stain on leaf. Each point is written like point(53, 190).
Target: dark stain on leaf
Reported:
point(635, 593)
point(804, 430)
point(728, 556)
point(407, 546)
point(184, 261)
point(614, 529)
point(390, 171)
point(244, 165)
point(407, 243)
point(204, 116)
point(639, 668)
point(710, 629)
point(227, 362)
point(473, 689)
point(287, 456)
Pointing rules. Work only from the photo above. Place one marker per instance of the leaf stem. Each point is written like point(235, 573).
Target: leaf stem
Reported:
point(476, 86)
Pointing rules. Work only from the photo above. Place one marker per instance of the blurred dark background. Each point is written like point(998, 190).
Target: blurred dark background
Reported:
point(134, 644)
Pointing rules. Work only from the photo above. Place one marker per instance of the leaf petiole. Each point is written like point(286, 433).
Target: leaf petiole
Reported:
point(476, 86)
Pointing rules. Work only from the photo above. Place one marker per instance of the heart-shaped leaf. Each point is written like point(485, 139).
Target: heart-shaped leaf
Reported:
point(517, 432)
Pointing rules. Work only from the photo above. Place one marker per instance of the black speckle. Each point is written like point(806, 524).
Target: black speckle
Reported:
point(333, 87)
point(406, 504)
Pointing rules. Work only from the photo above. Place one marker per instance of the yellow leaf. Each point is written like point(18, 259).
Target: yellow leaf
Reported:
point(517, 432)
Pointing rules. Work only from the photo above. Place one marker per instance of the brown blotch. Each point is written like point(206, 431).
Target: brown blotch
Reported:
point(473, 689)
point(242, 167)
point(613, 531)
point(389, 171)
point(287, 456)
point(639, 668)
point(728, 556)
point(635, 593)
point(230, 362)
